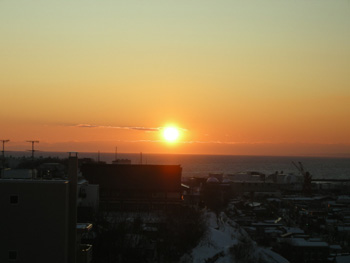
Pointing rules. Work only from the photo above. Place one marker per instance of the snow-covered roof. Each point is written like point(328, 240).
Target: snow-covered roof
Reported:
point(343, 228)
point(335, 247)
point(223, 234)
point(212, 180)
point(293, 230)
point(83, 226)
point(301, 242)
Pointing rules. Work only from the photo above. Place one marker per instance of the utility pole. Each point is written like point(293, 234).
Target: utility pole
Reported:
point(3, 154)
point(3, 148)
point(32, 150)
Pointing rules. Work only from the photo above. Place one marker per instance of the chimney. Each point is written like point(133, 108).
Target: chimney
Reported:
point(72, 218)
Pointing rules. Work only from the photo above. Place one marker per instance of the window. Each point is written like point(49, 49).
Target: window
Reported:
point(14, 199)
point(12, 255)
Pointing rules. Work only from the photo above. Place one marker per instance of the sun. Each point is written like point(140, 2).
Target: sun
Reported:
point(171, 134)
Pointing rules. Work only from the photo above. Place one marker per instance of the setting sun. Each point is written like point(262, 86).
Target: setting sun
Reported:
point(171, 134)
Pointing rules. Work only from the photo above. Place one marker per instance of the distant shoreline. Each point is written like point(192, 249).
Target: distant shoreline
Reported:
point(38, 152)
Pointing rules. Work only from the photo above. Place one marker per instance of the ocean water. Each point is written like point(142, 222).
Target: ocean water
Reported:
point(202, 165)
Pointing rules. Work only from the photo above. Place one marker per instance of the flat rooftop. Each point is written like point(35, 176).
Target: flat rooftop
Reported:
point(32, 181)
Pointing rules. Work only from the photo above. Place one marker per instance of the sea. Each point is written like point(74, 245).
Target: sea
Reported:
point(202, 165)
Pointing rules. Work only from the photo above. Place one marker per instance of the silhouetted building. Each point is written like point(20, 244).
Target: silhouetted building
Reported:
point(38, 221)
point(34, 221)
point(135, 187)
point(121, 161)
point(301, 250)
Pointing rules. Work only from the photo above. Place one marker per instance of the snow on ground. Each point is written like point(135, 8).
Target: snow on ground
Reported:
point(219, 245)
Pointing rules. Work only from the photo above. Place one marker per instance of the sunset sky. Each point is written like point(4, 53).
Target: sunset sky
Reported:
point(235, 77)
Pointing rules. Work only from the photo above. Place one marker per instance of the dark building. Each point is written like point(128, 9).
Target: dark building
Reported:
point(301, 250)
point(135, 187)
point(34, 221)
point(38, 222)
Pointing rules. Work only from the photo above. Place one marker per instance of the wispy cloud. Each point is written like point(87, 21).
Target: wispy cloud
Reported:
point(149, 129)
point(138, 128)
point(85, 126)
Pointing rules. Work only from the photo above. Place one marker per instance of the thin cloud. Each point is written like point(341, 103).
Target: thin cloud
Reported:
point(149, 129)
point(86, 126)
point(137, 128)
point(144, 128)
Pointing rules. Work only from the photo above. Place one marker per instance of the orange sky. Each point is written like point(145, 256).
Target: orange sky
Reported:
point(238, 77)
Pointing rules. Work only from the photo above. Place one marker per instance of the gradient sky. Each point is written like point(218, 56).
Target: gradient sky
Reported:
point(238, 77)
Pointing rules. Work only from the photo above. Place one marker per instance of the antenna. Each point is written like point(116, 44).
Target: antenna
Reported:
point(32, 150)
point(3, 152)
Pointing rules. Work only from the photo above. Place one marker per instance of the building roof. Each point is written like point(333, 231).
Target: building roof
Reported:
point(301, 242)
point(81, 227)
point(212, 180)
point(33, 181)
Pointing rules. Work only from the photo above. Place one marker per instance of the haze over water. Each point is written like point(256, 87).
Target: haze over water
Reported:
point(202, 165)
